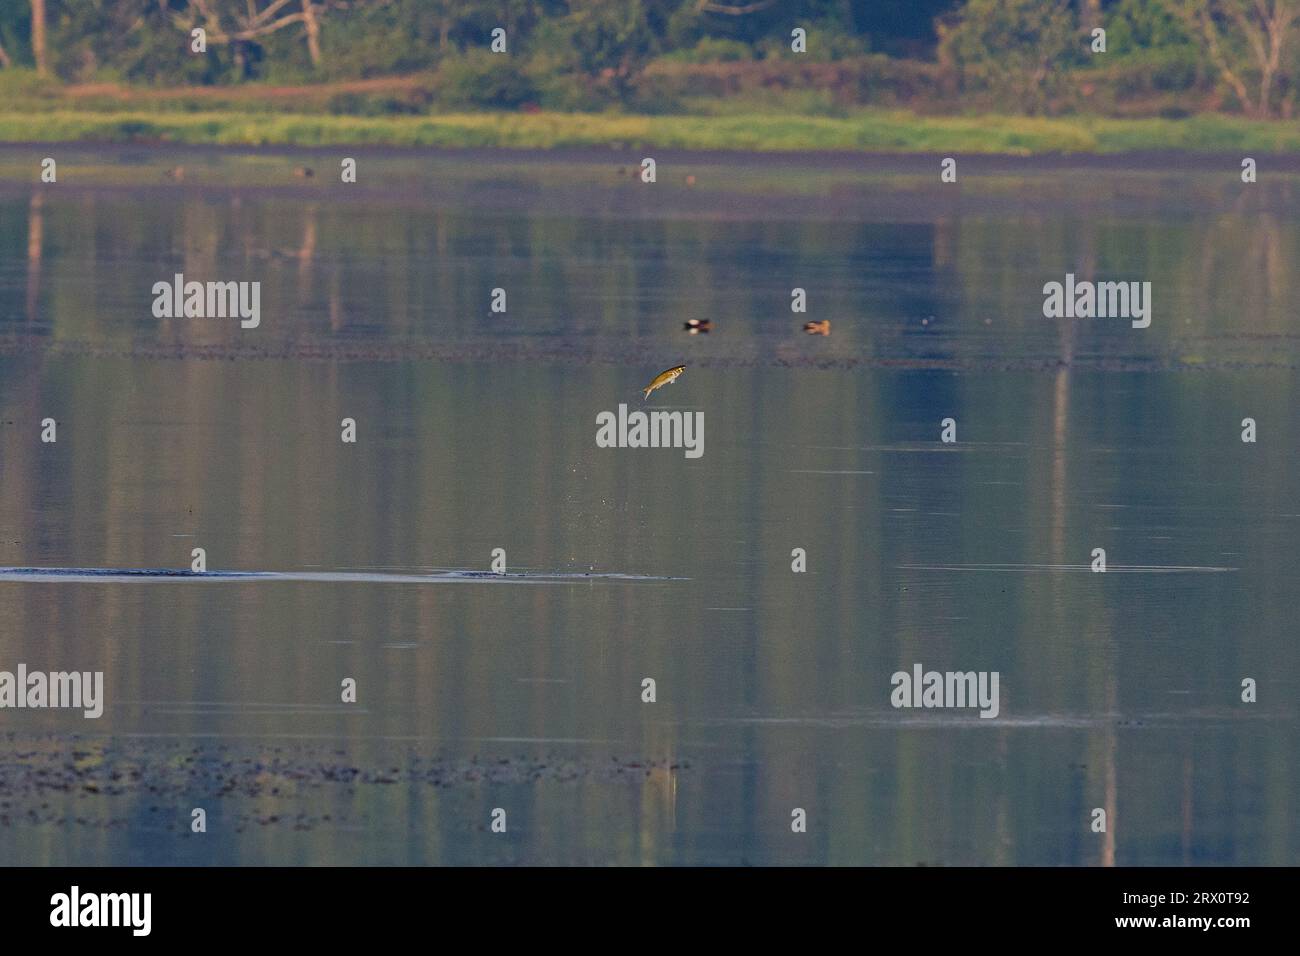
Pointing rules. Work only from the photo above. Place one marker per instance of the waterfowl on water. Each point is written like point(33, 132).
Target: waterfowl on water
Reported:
point(698, 326)
point(822, 327)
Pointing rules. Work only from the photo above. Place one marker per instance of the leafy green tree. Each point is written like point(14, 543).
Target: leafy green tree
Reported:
point(1134, 26)
point(1015, 48)
point(481, 78)
point(754, 21)
point(1149, 51)
point(608, 40)
point(1246, 40)
point(15, 29)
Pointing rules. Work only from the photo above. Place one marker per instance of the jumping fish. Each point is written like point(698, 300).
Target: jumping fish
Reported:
point(662, 379)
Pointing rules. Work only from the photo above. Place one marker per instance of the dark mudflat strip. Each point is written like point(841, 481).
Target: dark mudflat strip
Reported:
point(60, 575)
point(123, 573)
point(1246, 354)
point(1151, 160)
point(96, 782)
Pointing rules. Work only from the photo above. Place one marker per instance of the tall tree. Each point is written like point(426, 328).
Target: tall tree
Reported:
point(608, 39)
point(38, 38)
point(1245, 40)
point(1015, 48)
point(251, 20)
point(312, 24)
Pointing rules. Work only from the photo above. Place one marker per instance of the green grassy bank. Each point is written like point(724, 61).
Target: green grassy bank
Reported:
point(869, 131)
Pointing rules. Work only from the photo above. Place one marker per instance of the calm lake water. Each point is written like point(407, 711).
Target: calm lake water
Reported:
point(476, 430)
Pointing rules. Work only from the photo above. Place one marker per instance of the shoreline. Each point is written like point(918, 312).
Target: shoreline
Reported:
point(777, 354)
point(823, 139)
point(1161, 160)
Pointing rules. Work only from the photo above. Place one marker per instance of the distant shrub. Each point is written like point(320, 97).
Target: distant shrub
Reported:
point(481, 78)
point(1016, 50)
point(825, 89)
point(134, 130)
point(1139, 27)
point(17, 82)
point(610, 41)
point(405, 103)
point(90, 41)
point(714, 50)
point(1156, 71)
point(824, 45)
point(557, 87)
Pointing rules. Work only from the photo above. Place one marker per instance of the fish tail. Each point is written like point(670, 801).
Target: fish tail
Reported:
point(645, 393)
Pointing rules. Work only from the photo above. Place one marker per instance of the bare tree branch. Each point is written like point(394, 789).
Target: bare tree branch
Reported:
point(312, 24)
point(251, 22)
point(1264, 27)
point(707, 6)
point(38, 38)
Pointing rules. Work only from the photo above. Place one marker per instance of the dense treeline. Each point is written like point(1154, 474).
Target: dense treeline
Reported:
point(1159, 56)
